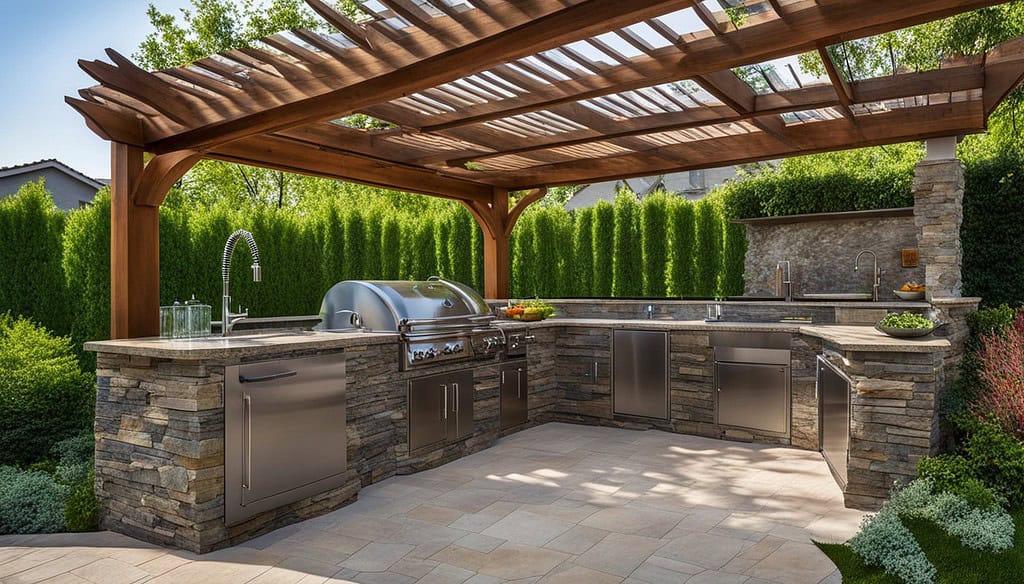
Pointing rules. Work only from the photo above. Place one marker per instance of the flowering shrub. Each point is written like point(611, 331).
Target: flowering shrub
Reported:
point(1001, 396)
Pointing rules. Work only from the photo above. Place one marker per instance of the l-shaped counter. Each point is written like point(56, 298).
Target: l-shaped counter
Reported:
point(162, 432)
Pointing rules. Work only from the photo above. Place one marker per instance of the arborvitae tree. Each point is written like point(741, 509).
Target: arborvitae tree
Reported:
point(735, 253)
point(373, 268)
point(709, 248)
point(682, 240)
point(654, 241)
point(546, 254)
point(391, 248)
point(478, 256)
point(564, 241)
point(355, 245)
point(583, 252)
point(628, 278)
point(460, 246)
point(604, 246)
point(524, 260)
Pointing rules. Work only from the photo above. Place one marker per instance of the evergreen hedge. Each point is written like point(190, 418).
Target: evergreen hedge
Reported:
point(682, 248)
point(604, 242)
point(654, 243)
point(627, 279)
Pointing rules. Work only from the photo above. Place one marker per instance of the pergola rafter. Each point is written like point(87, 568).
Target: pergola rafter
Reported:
point(485, 96)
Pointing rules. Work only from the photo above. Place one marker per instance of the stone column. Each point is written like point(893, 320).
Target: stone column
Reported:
point(938, 213)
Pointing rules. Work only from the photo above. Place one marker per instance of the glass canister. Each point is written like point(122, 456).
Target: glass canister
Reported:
point(180, 315)
point(166, 322)
point(199, 317)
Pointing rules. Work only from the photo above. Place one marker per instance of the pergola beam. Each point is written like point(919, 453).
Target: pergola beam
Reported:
point(840, 84)
point(544, 32)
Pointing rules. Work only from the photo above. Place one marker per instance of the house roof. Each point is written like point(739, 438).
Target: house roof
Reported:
point(30, 167)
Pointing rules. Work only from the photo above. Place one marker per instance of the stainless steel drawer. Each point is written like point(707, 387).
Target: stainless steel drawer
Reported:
point(284, 432)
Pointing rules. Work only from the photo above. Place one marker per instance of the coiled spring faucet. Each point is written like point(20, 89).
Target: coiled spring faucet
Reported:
point(228, 319)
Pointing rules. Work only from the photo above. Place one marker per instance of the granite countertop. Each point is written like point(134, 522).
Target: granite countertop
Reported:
point(239, 345)
point(844, 337)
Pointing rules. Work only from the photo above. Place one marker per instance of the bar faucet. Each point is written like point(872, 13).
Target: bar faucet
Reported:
point(784, 280)
point(877, 274)
point(650, 312)
point(229, 319)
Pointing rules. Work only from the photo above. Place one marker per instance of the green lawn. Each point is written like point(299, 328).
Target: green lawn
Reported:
point(955, 563)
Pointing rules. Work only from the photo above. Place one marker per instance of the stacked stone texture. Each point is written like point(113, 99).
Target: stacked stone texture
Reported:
point(938, 213)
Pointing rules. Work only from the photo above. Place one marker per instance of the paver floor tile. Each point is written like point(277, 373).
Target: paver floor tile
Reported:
point(710, 551)
point(794, 563)
point(110, 571)
point(377, 557)
point(514, 561)
point(577, 540)
point(634, 520)
point(528, 528)
point(570, 573)
point(619, 554)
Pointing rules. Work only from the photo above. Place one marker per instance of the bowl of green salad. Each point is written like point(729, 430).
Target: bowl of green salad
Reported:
point(905, 325)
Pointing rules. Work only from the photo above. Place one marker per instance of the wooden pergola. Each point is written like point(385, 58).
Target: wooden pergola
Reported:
point(486, 96)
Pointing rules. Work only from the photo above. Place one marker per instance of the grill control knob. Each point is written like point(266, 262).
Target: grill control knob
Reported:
point(431, 353)
point(458, 348)
point(417, 356)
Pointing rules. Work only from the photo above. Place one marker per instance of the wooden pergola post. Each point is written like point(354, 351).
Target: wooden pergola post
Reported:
point(136, 192)
point(134, 250)
point(496, 221)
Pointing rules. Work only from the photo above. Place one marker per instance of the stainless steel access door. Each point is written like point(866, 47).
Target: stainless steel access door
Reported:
point(640, 373)
point(428, 417)
point(834, 418)
point(284, 432)
point(514, 394)
point(754, 396)
point(460, 419)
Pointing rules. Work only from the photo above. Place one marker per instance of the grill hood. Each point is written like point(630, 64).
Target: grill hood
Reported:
point(402, 306)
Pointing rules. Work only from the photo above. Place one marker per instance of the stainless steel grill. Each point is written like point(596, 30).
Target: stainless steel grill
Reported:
point(438, 320)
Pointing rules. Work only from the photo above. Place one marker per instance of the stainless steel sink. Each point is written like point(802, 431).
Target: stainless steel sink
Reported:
point(835, 296)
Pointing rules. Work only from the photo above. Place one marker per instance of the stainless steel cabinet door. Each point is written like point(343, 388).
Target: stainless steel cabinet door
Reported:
point(640, 374)
point(285, 431)
point(461, 402)
point(834, 418)
point(514, 390)
point(753, 396)
point(428, 418)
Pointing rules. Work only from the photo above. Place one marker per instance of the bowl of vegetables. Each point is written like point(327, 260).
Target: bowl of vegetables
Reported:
point(530, 310)
point(905, 325)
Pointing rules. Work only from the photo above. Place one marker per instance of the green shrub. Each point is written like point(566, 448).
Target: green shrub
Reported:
point(30, 502)
point(682, 235)
point(627, 278)
point(993, 267)
point(44, 396)
point(81, 509)
point(583, 252)
point(391, 248)
point(997, 458)
point(734, 254)
point(604, 248)
point(547, 254)
point(884, 541)
point(709, 249)
point(86, 263)
point(31, 233)
point(952, 473)
point(460, 246)
point(654, 241)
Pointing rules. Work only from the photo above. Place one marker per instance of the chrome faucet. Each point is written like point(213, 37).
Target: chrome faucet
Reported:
point(877, 274)
point(229, 319)
point(650, 312)
point(784, 280)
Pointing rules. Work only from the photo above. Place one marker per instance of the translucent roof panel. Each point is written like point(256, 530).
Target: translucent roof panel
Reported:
point(682, 21)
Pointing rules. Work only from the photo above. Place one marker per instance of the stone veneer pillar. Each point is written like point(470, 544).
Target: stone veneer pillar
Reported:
point(938, 212)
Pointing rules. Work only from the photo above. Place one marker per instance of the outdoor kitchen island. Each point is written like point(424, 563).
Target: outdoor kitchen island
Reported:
point(161, 430)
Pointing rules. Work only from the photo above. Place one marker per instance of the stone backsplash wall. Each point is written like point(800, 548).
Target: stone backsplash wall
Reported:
point(822, 254)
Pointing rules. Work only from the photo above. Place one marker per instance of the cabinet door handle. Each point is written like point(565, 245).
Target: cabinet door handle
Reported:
point(444, 410)
point(269, 377)
point(502, 377)
point(247, 437)
point(595, 371)
point(455, 396)
point(519, 383)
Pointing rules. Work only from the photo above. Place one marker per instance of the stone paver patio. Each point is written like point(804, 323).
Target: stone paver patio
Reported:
point(552, 504)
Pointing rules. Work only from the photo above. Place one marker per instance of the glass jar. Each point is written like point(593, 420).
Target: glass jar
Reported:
point(199, 316)
point(180, 314)
point(166, 322)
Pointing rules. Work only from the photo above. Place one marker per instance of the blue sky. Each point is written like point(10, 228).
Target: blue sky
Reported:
point(42, 42)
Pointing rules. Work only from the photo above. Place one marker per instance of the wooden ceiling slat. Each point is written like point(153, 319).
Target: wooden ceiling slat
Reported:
point(842, 88)
point(556, 26)
point(708, 18)
point(353, 31)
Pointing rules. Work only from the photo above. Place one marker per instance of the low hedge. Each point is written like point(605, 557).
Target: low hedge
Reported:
point(44, 396)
